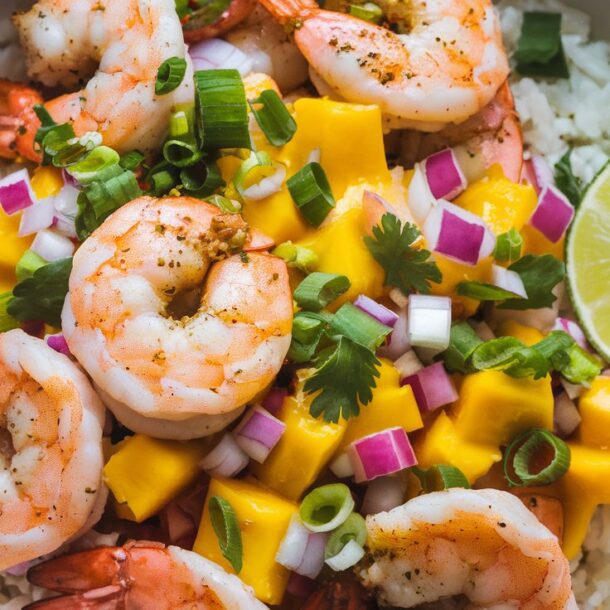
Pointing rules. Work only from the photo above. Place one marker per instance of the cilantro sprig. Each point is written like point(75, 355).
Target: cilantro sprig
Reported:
point(570, 185)
point(406, 267)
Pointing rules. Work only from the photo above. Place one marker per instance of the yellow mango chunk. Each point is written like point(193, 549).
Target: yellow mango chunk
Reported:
point(594, 406)
point(146, 473)
point(390, 407)
point(263, 520)
point(305, 448)
point(526, 334)
point(341, 249)
point(441, 443)
point(46, 181)
point(535, 242)
point(501, 203)
point(493, 407)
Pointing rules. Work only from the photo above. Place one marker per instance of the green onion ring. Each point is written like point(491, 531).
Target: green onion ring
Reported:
point(226, 527)
point(327, 507)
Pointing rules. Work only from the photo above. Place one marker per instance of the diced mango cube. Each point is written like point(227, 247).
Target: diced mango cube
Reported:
point(534, 242)
point(46, 181)
point(263, 520)
point(594, 407)
point(493, 407)
point(146, 473)
point(305, 448)
point(527, 334)
point(391, 406)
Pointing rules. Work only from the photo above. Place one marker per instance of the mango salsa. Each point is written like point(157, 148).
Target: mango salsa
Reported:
point(594, 406)
point(146, 473)
point(263, 520)
point(527, 334)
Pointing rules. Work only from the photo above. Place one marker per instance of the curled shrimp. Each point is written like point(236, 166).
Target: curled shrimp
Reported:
point(483, 544)
point(196, 29)
point(140, 575)
point(50, 449)
point(18, 122)
point(119, 46)
point(178, 327)
point(448, 67)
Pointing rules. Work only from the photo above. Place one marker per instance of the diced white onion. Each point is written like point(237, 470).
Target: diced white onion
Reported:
point(302, 550)
point(347, 557)
point(225, 460)
point(215, 53)
point(420, 199)
point(341, 466)
point(52, 246)
point(267, 186)
point(36, 217)
point(429, 321)
point(408, 364)
point(508, 280)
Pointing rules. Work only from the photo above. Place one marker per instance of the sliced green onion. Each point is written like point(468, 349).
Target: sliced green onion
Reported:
point(463, 340)
point(484, 292)
point(257, 166)
point(555, 341)
point(56, 139)
point(226, 527)
point(539, 49)
point(367, 11)
point(440, 476)
point(307, 330)
point(523, 454)
point(163, 182)
point(182, 8)
point(7, 322)
point(221, 110)
point(297, 257)
point(208, 13)
point(69, 155)
point(497, 354)
point(353, 528)
point(230, 206)
point(529, 363)
point(201, 180)
point(310, 190)
point(318, 289)
point(182, 148)
point(98, 160)
point(27, 265)
point(273, 118)
point(580, 367)
point(327, 507)
point(352, 322)
point(180, 123)
point(107, 196)
point(132, 160)
point(508, 246)
point(170, 75)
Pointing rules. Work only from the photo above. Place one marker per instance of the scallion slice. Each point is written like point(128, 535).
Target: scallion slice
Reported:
point(163, 181)
point(257, 166)
point(132, 160)
point(463, 340)
point(201, 180)
point(311, 192)
point(307, 330)
point(327, 507)
point(108, 195)
point(170, 75)
point(367, 11)
point(27, 265)
point(225, 204)
point(98, 160)
point(221, 109)
point(440, 476)
point(226, 527)
point(318, 289)
point(352, 322)
point(353, 528)
point(7, 322)
point(181, 149)
point(508, 246)
point(273, 117)
point(579, 366)
point(297, 257)
point(524, 457)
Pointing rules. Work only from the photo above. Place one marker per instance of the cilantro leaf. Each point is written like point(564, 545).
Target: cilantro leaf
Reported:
point(345, 375)
point(41, 297)
point(539, 274)
point(405, 267)
point(566, 181)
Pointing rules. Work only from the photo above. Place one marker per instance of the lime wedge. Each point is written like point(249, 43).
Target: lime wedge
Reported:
point(588, 262)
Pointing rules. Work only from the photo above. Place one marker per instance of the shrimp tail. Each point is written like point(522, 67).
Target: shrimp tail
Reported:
point(286, 11)
point(104, 599)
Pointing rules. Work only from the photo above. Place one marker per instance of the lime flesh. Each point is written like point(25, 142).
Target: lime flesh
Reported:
point(588, 262)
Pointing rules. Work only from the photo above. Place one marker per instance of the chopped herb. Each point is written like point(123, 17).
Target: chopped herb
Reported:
point(566, 181)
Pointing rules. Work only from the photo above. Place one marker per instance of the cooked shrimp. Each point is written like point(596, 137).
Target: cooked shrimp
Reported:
point(483, 544)
point(18, 122)
point(196, 28)
point(120, 44)
point(446, 69)
point(50, 449)
point(140, 575)
point(177, 330)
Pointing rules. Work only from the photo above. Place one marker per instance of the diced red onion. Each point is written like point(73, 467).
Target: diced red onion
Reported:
point(383, 494)
point(215, 53)
point(458, 234)
point(376, 310)
point(381, 454)
point(537, 172)
point(573, 390)
point(553, 214)
point(432, 387)
point(66, 209)
point(258, 433)
point(420, 199)
point(179, 525)
point(16, 192)
point(482, 329)
point(341, 466)
point(429, 321)
point(225, 460)
point(274, 400)
point(69, 178)
point(398, 340)
point(508, 280)
point(267, 186)
point(347, 557)
point(408, 364)
point(444, 175)
point(574, 330)
point(566, 417)
point(302, 550)
point(52, 246)
point(58, 343)
point(36, 217)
